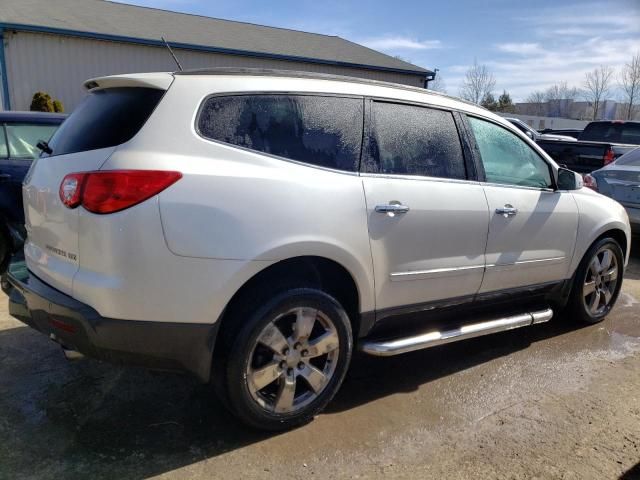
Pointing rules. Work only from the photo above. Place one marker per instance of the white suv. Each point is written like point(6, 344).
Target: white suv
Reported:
point(254, 227)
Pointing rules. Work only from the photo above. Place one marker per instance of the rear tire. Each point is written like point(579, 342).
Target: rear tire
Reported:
point(287, 360)
point(597, 282)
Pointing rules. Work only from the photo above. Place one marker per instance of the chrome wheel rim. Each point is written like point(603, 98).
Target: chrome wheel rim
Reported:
point(600, 281)
point(292, 360)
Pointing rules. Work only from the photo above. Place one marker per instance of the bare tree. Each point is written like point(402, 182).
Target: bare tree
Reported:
point(478, 83)
point(597, 84)
point(538, 99)
point(561, 91)
point(630, 83)
point(560, 97)
point(438, 84)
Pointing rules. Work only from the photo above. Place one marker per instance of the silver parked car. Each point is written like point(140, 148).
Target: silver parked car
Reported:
point(620, 180)
point(254, 227)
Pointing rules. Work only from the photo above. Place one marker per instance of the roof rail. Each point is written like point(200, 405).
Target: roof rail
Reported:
point(267, 72)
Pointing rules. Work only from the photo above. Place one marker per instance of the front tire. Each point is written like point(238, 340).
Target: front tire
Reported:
point(288, 360)
point(597, 282)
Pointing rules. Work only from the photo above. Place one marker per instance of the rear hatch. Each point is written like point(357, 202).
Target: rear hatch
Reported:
point(113, 112)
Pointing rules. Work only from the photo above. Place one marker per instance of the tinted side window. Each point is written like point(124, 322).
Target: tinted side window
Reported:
point(324, 131)
point(410, 140)
point(507, 159)
point(630, 133)
point(105, 118)
point(22, 139)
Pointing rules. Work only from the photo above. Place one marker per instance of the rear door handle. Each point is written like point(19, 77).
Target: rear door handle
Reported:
point(5, 177)
point(507, 211)
point(392, 208)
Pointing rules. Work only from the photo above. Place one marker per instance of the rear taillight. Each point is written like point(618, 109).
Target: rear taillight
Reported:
point(590, 182)
point(71, 189)
point(608, 156)
point(111, 191)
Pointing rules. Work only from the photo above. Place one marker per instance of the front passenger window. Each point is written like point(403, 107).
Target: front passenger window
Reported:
point(507, 159)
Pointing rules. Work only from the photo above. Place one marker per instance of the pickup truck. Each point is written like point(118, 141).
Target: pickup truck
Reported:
point(599, 144)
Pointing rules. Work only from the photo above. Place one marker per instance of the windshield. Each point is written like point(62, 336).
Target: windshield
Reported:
point(105, 118)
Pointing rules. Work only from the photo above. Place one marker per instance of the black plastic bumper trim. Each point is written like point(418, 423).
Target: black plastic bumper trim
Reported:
point(174, 346)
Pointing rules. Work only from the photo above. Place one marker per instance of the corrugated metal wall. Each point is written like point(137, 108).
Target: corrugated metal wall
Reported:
point(59, 65)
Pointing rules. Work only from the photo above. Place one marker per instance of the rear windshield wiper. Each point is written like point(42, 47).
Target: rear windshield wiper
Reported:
point(44, 146)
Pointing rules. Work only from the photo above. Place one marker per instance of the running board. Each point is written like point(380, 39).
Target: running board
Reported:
point(431, 339)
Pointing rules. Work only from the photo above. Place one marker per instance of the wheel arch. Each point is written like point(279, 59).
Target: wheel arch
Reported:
point(617, 230)
point(308, 270)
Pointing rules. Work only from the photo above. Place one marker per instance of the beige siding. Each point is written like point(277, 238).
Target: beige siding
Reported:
point(60, 64)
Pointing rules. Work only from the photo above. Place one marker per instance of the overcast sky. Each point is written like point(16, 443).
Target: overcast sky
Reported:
point(528, 45)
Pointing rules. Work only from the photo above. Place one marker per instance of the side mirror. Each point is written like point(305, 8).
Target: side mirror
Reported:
point(569, 180)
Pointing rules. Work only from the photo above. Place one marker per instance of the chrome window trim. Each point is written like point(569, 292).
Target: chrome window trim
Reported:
point(424, 178)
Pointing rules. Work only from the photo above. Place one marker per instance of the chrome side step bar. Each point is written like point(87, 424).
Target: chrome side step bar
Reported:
point(431, 339)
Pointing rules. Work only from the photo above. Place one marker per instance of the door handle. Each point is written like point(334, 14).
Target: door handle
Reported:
point(392, 209)
point(507, 211)
point(5, 177)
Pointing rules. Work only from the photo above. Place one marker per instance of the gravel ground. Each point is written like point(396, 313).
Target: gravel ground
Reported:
point(557, 400)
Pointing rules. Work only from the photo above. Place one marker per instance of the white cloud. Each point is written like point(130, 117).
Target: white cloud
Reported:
point(519, 48)
point(562, 44)
point(395, 43)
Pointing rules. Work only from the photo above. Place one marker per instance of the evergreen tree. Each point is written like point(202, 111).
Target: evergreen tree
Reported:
point(505, 104)
point(489, 102)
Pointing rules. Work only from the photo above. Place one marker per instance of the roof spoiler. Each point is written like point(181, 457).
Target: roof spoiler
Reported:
point(159, 81)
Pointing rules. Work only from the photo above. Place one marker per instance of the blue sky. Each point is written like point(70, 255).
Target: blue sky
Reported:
point(528, 45)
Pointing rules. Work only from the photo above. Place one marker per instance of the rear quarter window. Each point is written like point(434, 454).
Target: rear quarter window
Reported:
point(105, 118)
point(318, 130)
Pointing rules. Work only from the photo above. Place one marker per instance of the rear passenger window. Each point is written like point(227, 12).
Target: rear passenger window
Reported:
point(323, 131)
point(410, 140)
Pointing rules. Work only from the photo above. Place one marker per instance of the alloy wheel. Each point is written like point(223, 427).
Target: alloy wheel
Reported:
point(600, 281)
point(292, 360)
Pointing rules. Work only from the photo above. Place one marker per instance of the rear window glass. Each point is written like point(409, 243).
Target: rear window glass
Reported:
point(22, 139)
point(623, 132)
point(323, 131)
point(105, 118)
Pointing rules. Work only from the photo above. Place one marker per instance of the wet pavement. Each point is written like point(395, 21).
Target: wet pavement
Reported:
point(557, 400)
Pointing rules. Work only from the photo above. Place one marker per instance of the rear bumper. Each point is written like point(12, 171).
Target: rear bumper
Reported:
point(174, 346)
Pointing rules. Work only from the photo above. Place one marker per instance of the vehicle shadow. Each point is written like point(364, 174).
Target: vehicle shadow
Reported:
point(67, 418)
point(632, 474)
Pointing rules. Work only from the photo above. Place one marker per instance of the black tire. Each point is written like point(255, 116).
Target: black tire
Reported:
point(578, 307)
point(233, 381)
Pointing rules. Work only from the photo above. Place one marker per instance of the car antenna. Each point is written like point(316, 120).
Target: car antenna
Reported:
point(172, 54)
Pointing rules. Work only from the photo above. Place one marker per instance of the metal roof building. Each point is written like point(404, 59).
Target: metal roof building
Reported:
point(54, 45)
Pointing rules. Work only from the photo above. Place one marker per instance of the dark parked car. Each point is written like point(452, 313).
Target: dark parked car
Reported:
point(599, 144)
point(19, 134)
